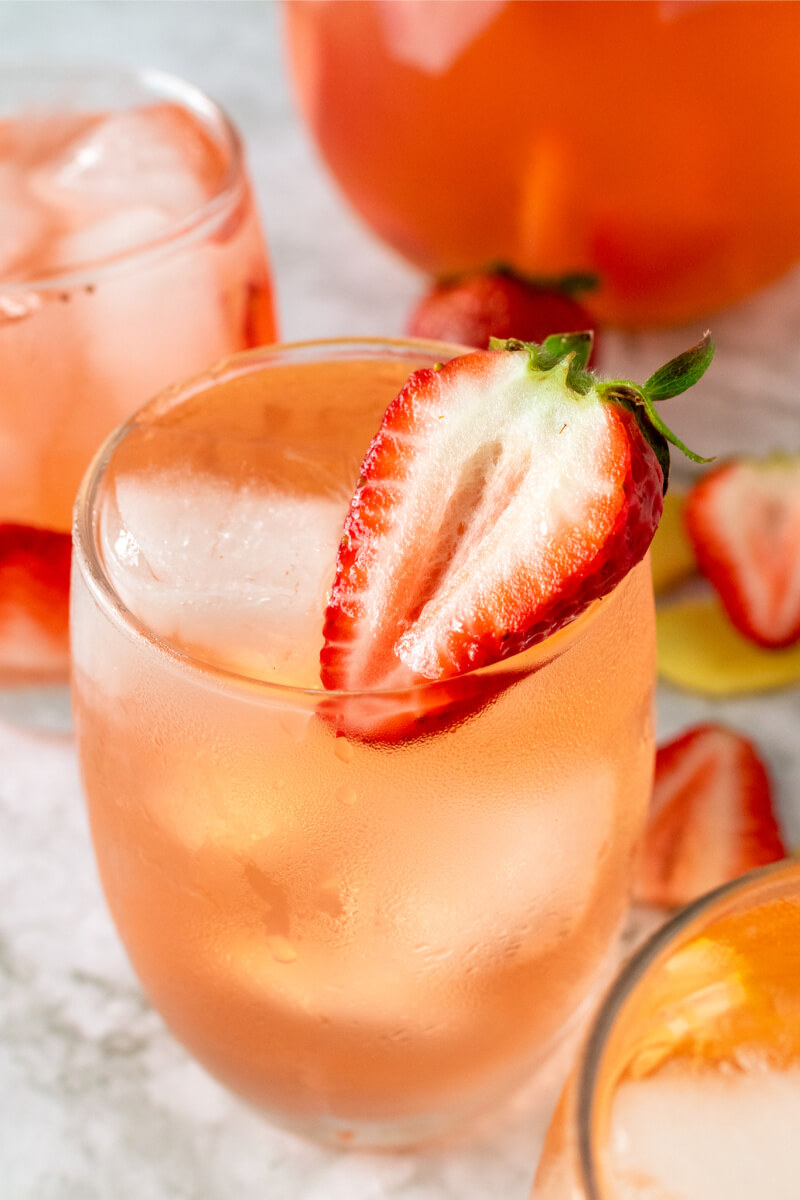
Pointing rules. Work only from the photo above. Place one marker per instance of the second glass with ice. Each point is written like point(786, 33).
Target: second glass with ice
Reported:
point(130, 256)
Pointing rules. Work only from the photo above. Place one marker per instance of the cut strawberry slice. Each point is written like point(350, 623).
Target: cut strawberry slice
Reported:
point(397, 716)
point(711, 818)
point(498, 303)
point(744, 523)
point(502, 494)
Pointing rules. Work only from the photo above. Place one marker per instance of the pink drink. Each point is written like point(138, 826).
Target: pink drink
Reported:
point(369, 923)
point(130, 255)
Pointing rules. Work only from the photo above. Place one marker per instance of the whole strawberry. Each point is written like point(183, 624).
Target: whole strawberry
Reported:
point(503, 492)
point(497, 303)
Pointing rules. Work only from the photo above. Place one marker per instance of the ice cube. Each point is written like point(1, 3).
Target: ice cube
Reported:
point(524, 894)
point(33, 137)
point(151, 322)
point(123, 230)
point(23, 222)
point(236, 574)
point(101, 351)
point(707, 1135)
point(156, 157)
point(431, 36)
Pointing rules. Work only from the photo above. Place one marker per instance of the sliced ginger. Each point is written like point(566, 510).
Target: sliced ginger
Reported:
point(700, 650)
point(671, 555)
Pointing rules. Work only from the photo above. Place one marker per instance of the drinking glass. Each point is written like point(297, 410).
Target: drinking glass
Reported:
point(130, 256)
point(370, 913)
point(688, 1085)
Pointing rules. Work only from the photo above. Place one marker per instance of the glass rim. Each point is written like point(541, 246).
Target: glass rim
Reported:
point(88, 559)
point(591, 1061)
point(201, 220)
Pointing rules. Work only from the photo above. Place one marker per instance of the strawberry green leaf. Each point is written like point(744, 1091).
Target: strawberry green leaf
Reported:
point(553, 350)
point(630, 396)
point(672, 379)
point(664, 429)
point(575, 346)
point(572, 283)
point(680, 373)
point(653, 436)
point(558, 345)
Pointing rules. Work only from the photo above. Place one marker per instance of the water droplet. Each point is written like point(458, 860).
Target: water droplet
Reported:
point(343, 750)
point(346, 794)
point(15, 308)
point(281, 949)
point(329, 901)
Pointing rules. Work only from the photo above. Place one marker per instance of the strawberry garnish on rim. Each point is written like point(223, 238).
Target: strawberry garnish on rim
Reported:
point(473, 308)
point(502, 494)
point(711, 818)
point(743, 519)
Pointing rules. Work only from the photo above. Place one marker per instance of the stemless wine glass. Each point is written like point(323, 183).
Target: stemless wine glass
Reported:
point(479, 132)
point(130, 256)
point(689, 1081)
point(370, 913)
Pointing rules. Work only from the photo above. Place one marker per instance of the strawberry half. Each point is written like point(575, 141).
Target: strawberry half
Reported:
point(474, 308)
point(502, 494)
point(744, 523)
point(392, 717)
point(711, 818)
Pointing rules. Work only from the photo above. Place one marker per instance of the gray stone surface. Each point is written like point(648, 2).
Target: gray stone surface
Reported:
point(96, 1100)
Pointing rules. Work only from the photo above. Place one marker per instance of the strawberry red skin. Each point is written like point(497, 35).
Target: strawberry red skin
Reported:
point(474, 646)
point(394, 718)
point(469, 311)
point(717, 565)
point(690, 844)
point(259, 318)
point(34, 578)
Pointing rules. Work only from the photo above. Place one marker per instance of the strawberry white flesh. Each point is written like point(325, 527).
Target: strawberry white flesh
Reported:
point(495, 503)
point(711, 817)
point(744, 522)
point(507, 523)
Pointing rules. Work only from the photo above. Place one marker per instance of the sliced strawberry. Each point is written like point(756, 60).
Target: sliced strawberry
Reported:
point(502, 494)
point(474, 308)
point(711, 818)
point(34, 602)
point(744, 523)
point(393, 717)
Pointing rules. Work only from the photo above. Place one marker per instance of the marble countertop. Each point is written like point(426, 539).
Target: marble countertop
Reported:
point(96, 1099)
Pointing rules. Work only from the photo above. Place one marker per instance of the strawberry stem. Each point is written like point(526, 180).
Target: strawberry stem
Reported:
point(666, 432)
point(553, 350)
point(676, 376)
point(636, 399)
